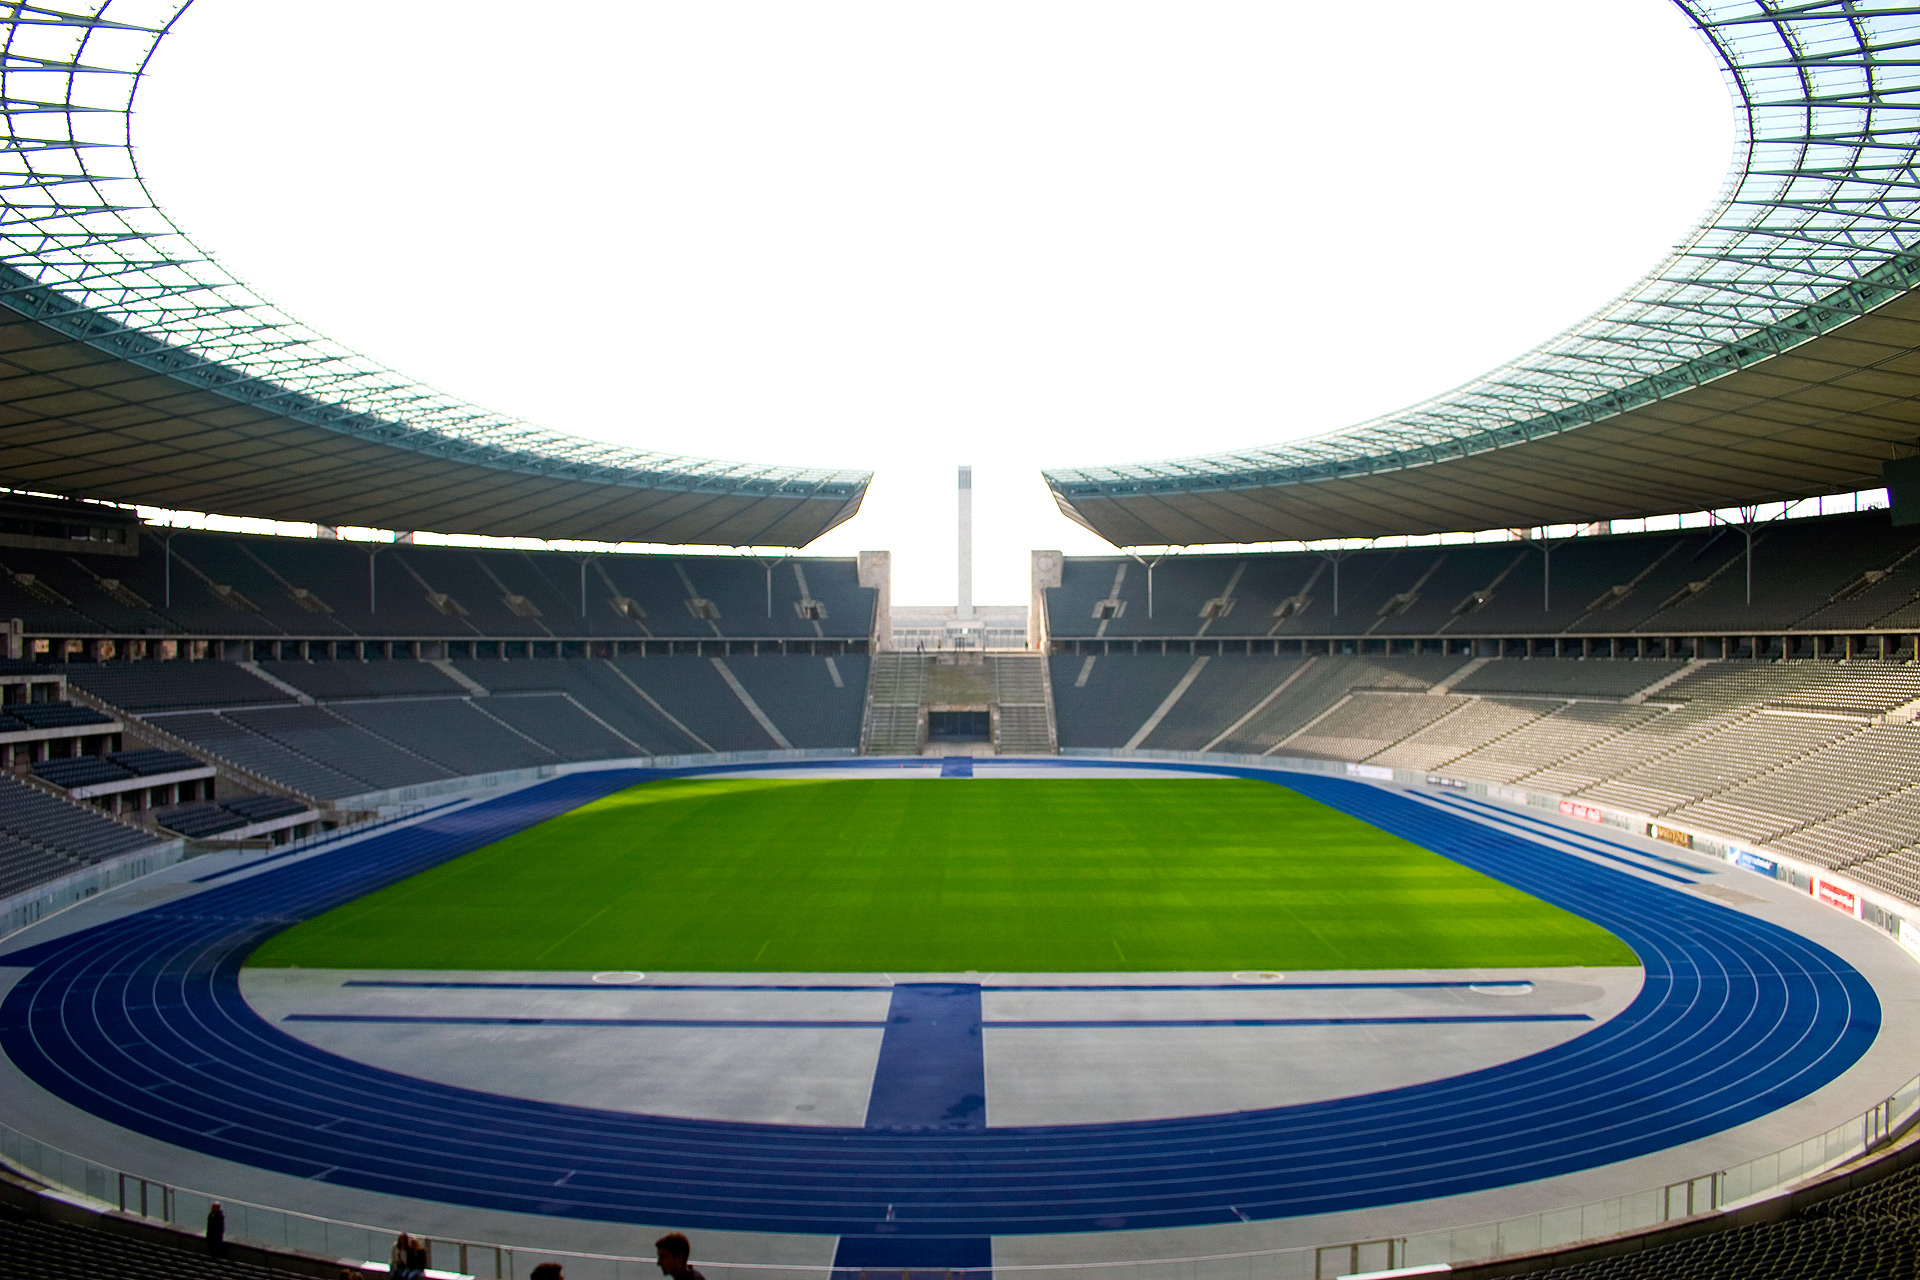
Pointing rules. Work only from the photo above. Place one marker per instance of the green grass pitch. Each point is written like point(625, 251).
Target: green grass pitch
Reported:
point(943, 875)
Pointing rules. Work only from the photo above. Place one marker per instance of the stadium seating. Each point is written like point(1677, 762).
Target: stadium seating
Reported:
point(594, 684)
point(263, 808)
point(559, 724)
point(1863, 1234)
point(58, 826)
point(323, 735)
point(381, 724)
point(350, 679)
point(120, 766)
point(693, 691)
point(451, 732)
point(142, 687)
point(54, 715)
point(1099, 703)
point(801, 698)
point(234, 585)
point(231, 741)
point(1815, 574)
point(1226, 687)
point(33, 1248)
point(80, 771)
point(1567, 677)
point(1795, 755)
point(202, 820)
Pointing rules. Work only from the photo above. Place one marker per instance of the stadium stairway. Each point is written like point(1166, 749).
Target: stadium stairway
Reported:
point(904, 686)
point(1024, 697)
point(895, 687)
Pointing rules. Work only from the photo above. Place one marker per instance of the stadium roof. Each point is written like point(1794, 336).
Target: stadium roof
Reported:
point(1775, 355)
point(133, 368)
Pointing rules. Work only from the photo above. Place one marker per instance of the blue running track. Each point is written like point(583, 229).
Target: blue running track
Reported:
point(141, 1022)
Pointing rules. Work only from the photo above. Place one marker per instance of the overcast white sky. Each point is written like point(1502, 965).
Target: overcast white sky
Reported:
point(904, 235)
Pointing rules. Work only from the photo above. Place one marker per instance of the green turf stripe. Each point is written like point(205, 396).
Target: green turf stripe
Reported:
point(915, 875)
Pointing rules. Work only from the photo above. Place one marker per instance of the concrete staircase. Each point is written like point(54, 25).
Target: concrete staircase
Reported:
point(1025, 699)
point(902, 686)
point(896, 686)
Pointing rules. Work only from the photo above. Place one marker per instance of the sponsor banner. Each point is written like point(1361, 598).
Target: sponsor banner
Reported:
point(1441, 780)
point(1909, 936)
point(1584, 812)
point(1754, 862)
point(1516, 795)
point(1376, 771)
point(1682, 838)
point(1834, 896)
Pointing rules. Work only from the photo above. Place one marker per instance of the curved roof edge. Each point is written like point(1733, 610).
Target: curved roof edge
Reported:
point(86, 254)
point(1814, 237)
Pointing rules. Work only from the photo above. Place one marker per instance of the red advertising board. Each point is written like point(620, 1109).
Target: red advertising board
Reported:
point(1834, 896)
point(1585, 812)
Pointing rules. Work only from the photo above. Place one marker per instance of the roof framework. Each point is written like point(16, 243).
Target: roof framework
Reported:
point(1775, 354)
point(132, 367)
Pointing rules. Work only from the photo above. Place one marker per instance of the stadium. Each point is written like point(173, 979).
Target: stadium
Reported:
point(1520, 875)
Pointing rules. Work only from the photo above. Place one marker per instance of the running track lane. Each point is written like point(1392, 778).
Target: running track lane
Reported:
point(141, 1022)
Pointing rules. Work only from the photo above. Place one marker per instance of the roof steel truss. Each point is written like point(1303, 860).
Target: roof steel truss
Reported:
point(1816, 228)
point(86, 252)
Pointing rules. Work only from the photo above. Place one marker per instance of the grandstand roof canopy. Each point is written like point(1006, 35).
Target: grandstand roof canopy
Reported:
point(133, 368)
point(1775, 354)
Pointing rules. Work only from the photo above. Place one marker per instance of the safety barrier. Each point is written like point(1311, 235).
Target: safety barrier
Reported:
point(104, 1186)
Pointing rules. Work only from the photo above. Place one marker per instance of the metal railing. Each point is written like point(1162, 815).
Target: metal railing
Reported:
point(117, 1189)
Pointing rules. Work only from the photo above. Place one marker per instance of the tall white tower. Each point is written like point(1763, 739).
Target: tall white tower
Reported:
point(966, 544)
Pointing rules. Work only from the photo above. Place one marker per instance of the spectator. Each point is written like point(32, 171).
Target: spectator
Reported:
point(408, 1259)
point(671, 1252)
point(547, 1271)
point(216, 1230)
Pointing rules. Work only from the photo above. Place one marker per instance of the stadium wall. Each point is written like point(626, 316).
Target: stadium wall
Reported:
point(42, 900)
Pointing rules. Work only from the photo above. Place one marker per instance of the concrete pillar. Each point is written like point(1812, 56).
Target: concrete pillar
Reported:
point(1047, 568)
point(876, 574)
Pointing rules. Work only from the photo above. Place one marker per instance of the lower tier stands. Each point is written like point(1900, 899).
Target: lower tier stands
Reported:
point(1865, 1234)
point(43, 837)
point(34, 1248)
point(1820, 760)
point(115, 767)
point(201, 821)
point(336, 729)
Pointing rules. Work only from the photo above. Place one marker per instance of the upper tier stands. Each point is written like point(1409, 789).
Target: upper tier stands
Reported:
point(236, 585)
point(1836, 573)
